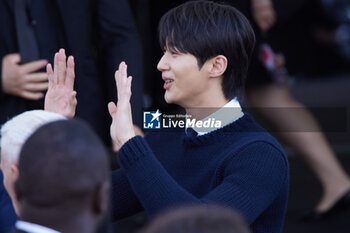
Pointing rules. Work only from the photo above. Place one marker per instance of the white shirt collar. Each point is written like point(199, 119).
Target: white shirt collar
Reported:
point(229, 113)
point(33, 228)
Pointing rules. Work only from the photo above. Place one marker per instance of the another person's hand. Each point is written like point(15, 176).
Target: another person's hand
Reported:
point(264, 14)
point(22, 79)
point(61, 97)
point(122, 128)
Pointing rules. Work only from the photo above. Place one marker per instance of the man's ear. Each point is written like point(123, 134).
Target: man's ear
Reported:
point(218, 66)
point(14, 171)
point(15, 175)
point(101, 198)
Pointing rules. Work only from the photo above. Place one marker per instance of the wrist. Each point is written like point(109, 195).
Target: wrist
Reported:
point(126, 139)
point(122, 140)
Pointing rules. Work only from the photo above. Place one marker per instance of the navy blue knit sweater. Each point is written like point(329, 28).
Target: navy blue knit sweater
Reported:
point(239, 165)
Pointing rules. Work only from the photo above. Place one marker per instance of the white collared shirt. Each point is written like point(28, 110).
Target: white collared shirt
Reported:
point(229, 113)
point(33, 228)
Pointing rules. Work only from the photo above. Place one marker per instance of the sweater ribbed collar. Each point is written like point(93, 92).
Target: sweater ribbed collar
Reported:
point(243, 124)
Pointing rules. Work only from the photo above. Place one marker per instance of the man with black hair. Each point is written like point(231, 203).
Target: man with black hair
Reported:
point(63, 183)
point(207, 47)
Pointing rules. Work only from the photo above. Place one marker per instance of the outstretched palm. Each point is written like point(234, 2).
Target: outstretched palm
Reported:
point(122, 126)
point(60, 96)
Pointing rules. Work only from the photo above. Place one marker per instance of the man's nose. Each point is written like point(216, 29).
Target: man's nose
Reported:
point(163, 64)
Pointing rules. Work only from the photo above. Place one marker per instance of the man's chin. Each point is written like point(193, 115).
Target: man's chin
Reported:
point(167, 99)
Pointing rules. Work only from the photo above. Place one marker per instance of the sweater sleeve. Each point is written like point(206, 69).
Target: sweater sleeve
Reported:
point(123, 200)
point(252, 179)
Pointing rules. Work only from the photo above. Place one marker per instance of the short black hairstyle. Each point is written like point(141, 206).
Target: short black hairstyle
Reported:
point(206, 29)
point(201, 218)
point(62, 162)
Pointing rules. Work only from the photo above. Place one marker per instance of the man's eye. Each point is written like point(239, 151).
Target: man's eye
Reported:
point(174, 52)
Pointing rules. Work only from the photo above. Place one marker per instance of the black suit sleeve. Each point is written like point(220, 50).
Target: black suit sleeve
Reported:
point(2, 45)
point(1, 90)
point(121, 42)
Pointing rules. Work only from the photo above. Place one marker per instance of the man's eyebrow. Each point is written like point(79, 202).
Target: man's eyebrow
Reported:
point(172, 49)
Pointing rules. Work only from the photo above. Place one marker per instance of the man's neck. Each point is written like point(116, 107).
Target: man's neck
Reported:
point(205, 109)
point(60, 221)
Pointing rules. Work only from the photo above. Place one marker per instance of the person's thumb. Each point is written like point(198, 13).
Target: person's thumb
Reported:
point(116, 148)
point(14, 58)
point(112, 108)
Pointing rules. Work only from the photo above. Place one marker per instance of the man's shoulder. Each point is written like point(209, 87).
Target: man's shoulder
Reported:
point(246, 133)
point(247, 129)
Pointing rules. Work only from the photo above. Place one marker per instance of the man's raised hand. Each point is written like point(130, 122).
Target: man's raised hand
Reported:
point(122, 128)
point(61, 97)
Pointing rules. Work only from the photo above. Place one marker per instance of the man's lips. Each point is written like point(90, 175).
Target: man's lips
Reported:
point(168, 82)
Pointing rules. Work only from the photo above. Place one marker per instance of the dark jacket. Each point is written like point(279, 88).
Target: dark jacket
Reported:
point(7, 214)
point(100, 34)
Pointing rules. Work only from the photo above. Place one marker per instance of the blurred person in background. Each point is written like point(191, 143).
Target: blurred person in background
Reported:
point(268, 92)
point(99, 33)
point(60, 103)
point(64, 180)
point(198, 219)
point(14, 133)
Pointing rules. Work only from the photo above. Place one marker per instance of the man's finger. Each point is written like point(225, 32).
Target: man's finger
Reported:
point(14, 58)
point(116, 148)
point(74, 96)
point(123, 69)
point(129, 84)
point(55, 68)
point(124, 73)
point(112, 108)
point(70, 72)
point(32, 95)
point(61, 66)
point(50, 75)
point(129, 80)
point(120, 73)
point(33, 66)
point(35, 87)
point(116, 77)
point(37, 77)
